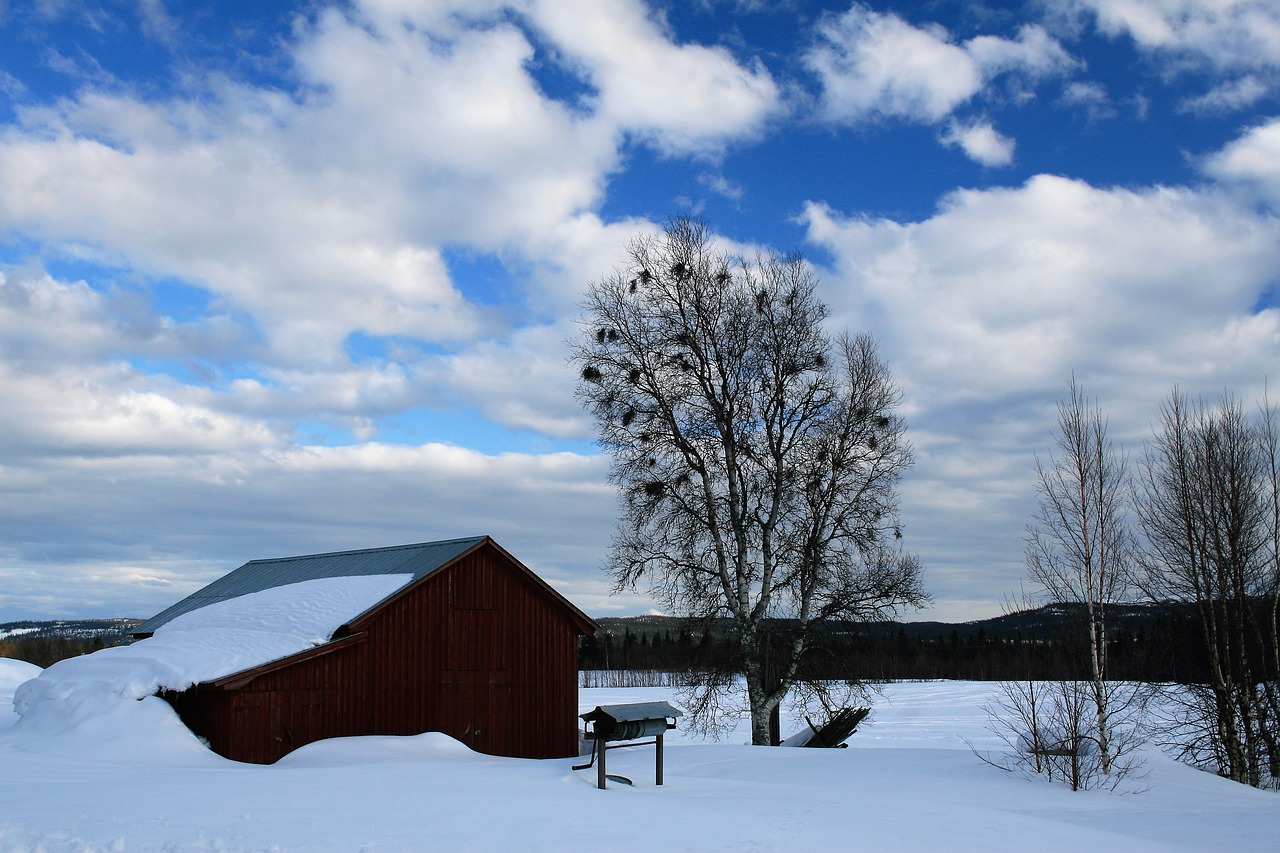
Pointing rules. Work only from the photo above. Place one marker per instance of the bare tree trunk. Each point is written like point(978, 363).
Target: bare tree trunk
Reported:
point(757, 693)
point(1098, 641)
point(1078, 550)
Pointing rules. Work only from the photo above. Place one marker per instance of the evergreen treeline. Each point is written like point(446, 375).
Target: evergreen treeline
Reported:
point(46, 643)
point(1148, 644)
point(44, 651)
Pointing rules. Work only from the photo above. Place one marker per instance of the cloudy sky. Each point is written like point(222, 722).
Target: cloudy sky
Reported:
point(291, 277)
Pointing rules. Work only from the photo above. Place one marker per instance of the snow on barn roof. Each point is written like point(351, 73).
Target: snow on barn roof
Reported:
point(264, 611)
point(258, 575)
point(81, 701)
point(220, 639)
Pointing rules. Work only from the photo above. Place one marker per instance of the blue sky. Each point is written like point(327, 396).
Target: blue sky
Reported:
point(282, 278)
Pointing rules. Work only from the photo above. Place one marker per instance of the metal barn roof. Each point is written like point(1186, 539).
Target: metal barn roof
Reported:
point(257, 575)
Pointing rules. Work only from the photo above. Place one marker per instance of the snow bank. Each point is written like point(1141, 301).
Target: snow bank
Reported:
point(98, 763)
point(12, 674)
point(386, 749)
point(908, 782)
point(78, 698)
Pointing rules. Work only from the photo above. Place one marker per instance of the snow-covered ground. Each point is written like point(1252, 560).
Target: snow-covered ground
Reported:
point(132, 778)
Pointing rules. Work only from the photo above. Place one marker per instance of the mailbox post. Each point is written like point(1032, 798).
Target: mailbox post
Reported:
point(614, 724)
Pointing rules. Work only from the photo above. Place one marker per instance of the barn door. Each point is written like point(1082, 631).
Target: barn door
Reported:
point(493, 706)
point(479, 710)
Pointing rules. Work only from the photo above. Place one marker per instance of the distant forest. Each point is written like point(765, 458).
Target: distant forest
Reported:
point(46, 643)
point(1148, 643)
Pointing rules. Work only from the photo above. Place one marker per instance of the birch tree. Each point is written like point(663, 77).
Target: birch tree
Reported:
point(1078, 549)
point(1208, 506)
point(757, 458)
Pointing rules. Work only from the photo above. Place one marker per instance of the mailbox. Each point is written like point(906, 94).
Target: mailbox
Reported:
point(632, 722)
point(613, 724)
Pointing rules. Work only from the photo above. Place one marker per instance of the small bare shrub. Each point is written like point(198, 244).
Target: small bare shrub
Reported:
point(1049, 729)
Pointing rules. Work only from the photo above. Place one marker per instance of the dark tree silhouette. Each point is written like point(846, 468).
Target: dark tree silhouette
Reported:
point(756, 458)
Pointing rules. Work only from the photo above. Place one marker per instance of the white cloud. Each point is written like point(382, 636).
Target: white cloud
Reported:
point(45, 322)
point(367, 390)
point(722, 186)
point(1227, 97)
point(981, 142)
point(1085, 93)
point(443, 17)
point(1090, 96)
point(138, 522)
point(1034, 53)
point(66, 368)
point(91, 411)
point(157, 22)
point(305, 219)
point(875, 65)
point(574, 252)
point(985, 310)
point(1252, 161)
point(48, 324)
point(226, 214)
point(681, 98)
point(1022, 284)
point(458, 139)
point(522, 382)
point(324, 212)
point(1224, 34)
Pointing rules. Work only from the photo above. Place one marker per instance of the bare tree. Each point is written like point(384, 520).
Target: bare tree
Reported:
point(1079, 550)
point(1208, 507)
point(1047, 729)
point(1052, 728)
point(757, 460)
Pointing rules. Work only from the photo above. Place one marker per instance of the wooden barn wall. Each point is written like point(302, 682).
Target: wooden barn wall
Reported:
point(477, 651)
point(279, 711)
point(496, 667)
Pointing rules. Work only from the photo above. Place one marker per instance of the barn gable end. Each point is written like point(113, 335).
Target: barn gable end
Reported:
point(477, 647)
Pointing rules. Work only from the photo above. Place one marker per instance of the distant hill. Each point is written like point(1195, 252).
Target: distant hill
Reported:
point(112, 631)
point(1147, 643)
point(1041, 623)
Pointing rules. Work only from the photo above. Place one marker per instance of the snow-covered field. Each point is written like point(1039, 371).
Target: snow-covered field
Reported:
point(132, 778)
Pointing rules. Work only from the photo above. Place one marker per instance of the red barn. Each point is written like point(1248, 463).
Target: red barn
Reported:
point(474, 645)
